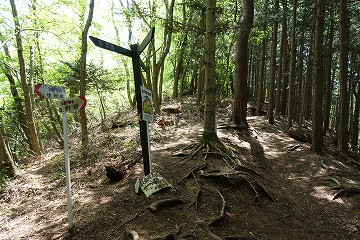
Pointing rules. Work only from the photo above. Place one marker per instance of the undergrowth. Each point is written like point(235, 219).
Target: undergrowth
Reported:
point(4, 181)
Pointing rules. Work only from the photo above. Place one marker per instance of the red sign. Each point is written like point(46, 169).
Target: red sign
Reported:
point(72, 104)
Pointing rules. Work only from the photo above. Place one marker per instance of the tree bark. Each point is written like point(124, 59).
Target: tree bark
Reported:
point(343, 134)
point(279, 78)
point(355, 132)
point(209, 133)
point(291, 98)
point(241, 64)
point(261, 82)
point(167, 43)
point(285, 71)
point(273, 65)
point(317, 114)
point(34, 143)
point(21, 116)
point(84, 35)
point(6, 160)
point(179, 67)
point(329, 80)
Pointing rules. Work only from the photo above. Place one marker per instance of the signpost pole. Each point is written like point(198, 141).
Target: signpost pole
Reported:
point(65, 105)
point(67, 169)
point(152, 182)
point(134, 53)
point(144, 128)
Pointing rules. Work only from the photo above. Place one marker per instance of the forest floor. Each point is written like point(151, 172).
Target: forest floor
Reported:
point(211, 202)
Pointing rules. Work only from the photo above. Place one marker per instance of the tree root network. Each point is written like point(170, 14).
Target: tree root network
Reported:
point(346, 191)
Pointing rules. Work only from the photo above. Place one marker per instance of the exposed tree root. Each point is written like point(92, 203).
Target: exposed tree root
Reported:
point(165, 203)
point(235, 177)
point(232, 126)
point(222, 211)
point(132, 234)
point(215, 145)
point(170, 236)
point(195, 202)
point(346, 191)
point(334, 180)
point(206, 228)
point(241, 237)
point(129, 220)
point(194, 170)
point(293, 148)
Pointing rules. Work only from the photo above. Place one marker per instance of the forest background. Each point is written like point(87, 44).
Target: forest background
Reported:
point(303, 63)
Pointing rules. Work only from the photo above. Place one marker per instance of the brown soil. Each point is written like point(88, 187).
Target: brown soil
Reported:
point(34, 207)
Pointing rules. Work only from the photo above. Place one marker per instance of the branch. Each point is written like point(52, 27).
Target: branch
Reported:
point(30, 29)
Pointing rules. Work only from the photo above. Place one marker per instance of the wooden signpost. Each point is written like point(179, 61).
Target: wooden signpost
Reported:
point(65, 105)
point(152, 182)
point(134, 53)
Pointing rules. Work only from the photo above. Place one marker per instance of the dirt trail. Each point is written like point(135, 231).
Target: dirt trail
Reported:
point(302, 182)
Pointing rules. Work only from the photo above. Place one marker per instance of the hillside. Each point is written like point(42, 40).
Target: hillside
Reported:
point(280, 190)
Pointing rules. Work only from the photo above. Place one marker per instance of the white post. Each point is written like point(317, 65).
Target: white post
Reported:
point(149, 148)
point(67, 168)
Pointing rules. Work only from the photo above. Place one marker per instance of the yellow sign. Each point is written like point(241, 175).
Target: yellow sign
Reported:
point(147, 105)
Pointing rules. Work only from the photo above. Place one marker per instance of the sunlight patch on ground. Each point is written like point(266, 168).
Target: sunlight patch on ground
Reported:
point(323, 192)
point(84, 198)
point(105, 199)
point(171, 144)
point(245, 145)
point(299, 179)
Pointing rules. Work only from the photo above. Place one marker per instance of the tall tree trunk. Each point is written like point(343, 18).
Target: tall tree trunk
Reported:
point(241, 64)
point(273, 65)
point(167, 43)
point(180, 54)
point(21, 116)
point(200, 84)
point(343, 134)
point(355, 121)
point(179, 67)
point(261, 82)
point(209, 133)
point(329, 80)
point(308, 88)
point(161, 81)
point(298, 115)
point(279, 78)
point(285, 72)
point(317, 114)
point(283, 83)
point(39, 64)
point(34, 143)
point(84, 35)
point(291, 98)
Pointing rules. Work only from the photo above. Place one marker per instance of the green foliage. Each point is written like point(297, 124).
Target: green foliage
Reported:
point(57, 175)
point(4, 181)
point(53, 28)
point(129, 144)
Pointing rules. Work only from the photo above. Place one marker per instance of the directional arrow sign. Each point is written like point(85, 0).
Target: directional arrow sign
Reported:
point(72, 104)
point(110, 46)
point(48, 91)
